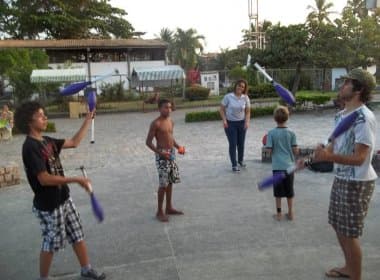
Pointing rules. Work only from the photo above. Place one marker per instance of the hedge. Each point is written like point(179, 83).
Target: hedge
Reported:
point(49, 128)
point(215, 115)
point(197, 92)
point(259, 91)
point(315, 98)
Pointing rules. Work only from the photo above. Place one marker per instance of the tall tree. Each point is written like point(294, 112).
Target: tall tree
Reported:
point(4, 14)
point(58, 19)
point(320, 13)
point(187, 45)
point(16, 66)
point(228, 59)
point(167, 35)
point(367, 26)
point(325, 47)
point(322, 37)
point(287, 46)
point(359, 38)
point(358, 8)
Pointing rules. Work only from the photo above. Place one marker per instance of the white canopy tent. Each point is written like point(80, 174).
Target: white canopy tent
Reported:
point(168, 75)
point(58, 75)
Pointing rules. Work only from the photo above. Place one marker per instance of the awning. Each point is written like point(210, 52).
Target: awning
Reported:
point(157, 76)
point(58, 75)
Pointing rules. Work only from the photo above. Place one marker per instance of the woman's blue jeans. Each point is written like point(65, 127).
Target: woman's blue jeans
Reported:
point(236, 137)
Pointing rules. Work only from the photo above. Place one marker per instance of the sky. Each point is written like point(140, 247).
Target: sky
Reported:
point(220, 22)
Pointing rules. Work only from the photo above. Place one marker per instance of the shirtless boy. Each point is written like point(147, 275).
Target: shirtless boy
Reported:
point(162, 130)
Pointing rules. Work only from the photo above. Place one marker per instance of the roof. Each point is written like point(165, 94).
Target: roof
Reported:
point(84, 43)
point(155, 76)
point(58, 75)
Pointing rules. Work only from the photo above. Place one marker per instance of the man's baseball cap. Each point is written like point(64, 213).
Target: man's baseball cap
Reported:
point(363, 76)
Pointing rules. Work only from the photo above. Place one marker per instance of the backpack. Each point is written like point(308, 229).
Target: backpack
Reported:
point(322, 166)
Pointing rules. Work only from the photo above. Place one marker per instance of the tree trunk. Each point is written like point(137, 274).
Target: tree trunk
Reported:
point(326, 83)
point(1, 87)
point(297, 78)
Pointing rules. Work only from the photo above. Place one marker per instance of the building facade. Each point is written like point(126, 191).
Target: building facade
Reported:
point(99, 56)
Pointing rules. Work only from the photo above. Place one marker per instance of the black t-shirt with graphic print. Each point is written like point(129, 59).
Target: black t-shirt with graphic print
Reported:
point(39, 156)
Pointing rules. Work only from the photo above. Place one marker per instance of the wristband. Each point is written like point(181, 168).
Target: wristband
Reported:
point(308, 161)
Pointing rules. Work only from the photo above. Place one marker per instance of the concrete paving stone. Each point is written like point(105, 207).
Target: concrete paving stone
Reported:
point(155, 269)
point(227, 231)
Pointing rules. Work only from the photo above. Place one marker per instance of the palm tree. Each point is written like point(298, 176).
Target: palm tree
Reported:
point(222, 59)
point(186, 47)
point(166, 35)
point(358, 8)
point(320, 14)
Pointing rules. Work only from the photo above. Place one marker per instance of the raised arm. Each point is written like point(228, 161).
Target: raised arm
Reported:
point(77, 138)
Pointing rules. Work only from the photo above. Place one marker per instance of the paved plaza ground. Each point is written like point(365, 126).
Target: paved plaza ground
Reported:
point(227, 231)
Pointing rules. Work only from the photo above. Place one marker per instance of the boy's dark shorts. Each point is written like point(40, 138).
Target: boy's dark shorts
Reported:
point(285, 188)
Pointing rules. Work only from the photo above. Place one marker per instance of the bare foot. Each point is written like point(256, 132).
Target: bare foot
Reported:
point(338, 273)
point(277, 216)
point(162, 217)
point(290, 216)
point(172, 211)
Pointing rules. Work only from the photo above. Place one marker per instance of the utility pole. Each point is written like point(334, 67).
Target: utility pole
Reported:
point(257, 38)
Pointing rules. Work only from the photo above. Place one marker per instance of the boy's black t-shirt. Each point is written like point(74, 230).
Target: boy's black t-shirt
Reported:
point(39, 156)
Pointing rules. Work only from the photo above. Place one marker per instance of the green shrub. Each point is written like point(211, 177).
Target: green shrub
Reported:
point(238, 73)
point(202, 116)
point(131, 95)
point(261, 91)
point(112, 92)
point(50, 128)
point(315, 98)
point(197, 92)
point(230, 88)
point(215, 115)
point(175, 90)
point(262, 111)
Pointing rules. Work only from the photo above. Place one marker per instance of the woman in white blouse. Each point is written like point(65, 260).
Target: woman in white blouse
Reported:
point(235, 111)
